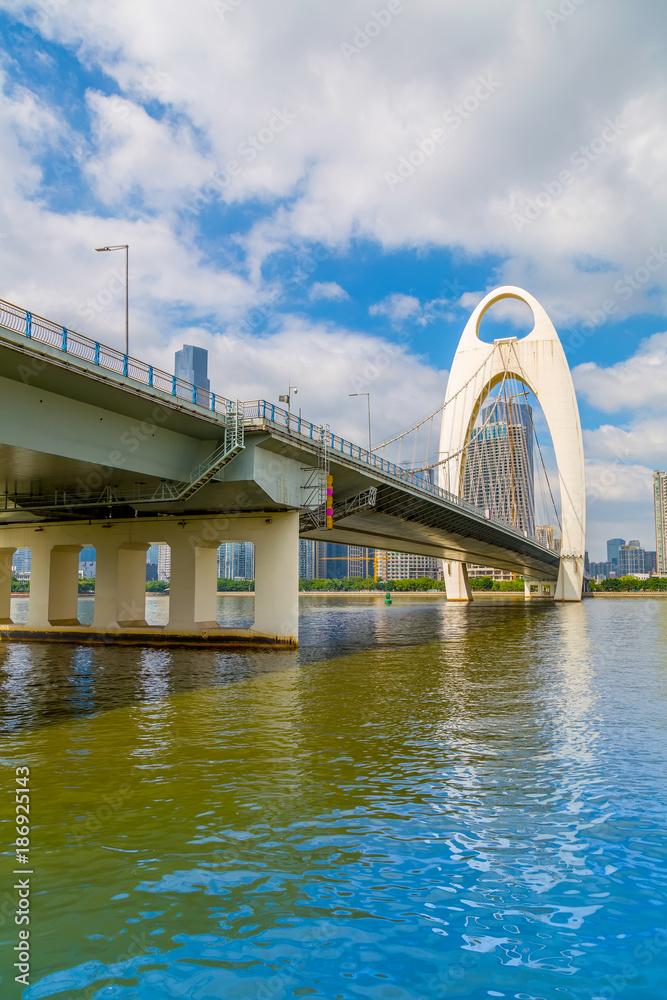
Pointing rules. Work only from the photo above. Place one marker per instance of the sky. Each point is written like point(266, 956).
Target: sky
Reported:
point(320, 193)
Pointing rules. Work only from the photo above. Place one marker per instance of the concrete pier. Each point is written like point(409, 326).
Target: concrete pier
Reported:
point(120, 585)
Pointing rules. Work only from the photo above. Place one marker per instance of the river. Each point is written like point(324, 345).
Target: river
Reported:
point(423, 801)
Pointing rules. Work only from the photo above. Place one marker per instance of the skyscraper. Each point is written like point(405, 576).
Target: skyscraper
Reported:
point(191, 365)
point(164, 562)
point(87, 562)
point(332, 561)
point(306, 559)
point(613, 545)
point(361, 561)
point(236, 561)
point(631, 558)
point(407, 566)
point(660, 502)
point(498, 473)
point(545, 534)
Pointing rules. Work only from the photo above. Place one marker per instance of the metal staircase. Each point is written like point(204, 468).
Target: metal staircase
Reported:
point(206, 470)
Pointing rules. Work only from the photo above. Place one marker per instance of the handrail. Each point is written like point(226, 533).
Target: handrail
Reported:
point(44, 331)
point(37, 328)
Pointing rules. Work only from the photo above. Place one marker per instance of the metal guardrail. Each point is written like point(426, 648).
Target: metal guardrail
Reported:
point(44, 331)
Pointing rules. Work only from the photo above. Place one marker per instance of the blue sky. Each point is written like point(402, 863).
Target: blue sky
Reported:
point(320, 194)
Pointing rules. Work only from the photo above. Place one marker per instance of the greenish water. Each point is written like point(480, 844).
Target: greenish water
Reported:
point(423, 801)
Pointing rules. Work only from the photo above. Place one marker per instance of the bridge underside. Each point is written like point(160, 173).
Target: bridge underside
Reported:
point(389, 532)
point(430, 529)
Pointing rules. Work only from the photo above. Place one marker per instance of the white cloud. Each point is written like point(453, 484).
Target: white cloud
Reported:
point(620, 504)
point(637, 382)
point(131, 152)
point(326, 362)
point(329, 290)
point(643, 440)
point(353, 120)
point(397, 307)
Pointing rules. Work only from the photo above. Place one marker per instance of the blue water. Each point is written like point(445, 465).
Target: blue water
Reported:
point(423, 801)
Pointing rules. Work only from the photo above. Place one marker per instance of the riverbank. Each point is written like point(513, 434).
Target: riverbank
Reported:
point(627, 593)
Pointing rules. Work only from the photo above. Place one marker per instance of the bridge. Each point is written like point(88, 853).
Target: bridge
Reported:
point(98, 448)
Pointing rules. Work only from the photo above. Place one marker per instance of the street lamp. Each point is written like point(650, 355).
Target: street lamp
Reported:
point(125, 247)
point(286, 398)
point(368, 400)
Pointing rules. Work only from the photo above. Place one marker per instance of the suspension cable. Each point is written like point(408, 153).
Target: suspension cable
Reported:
point(383, 444)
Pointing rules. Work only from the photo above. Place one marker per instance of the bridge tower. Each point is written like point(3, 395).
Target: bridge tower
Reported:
point(538, 360)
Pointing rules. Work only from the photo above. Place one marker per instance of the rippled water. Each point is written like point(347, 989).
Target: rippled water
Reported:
point(423, 801)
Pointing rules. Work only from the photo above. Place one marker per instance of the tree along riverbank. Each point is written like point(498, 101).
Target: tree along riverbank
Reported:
point(355, 584)
point(629, 585)
point(347, 585)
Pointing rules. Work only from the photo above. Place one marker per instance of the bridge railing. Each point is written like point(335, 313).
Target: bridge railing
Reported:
point(35, 327)
point(294, 424)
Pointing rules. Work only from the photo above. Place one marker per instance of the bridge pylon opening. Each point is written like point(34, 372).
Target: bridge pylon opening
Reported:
point(536, 361)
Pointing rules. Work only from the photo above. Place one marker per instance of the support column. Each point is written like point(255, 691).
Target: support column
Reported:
point(63, 585)
point(106, 582)
point(40, 573)
point(193, 584)
point(277, 577)
point(539, 588)
point(120, 584)
point(570, 578)
point(6, 585)
point(131, 595)
point(456, 581)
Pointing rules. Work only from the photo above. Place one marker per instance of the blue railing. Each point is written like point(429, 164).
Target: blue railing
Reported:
point(37, 328)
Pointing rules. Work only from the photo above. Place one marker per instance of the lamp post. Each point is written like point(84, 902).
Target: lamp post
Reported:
point(368, 400)
point(125, 247)
point(286, 397)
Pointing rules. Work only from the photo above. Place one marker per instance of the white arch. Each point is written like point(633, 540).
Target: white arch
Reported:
point(539, 361)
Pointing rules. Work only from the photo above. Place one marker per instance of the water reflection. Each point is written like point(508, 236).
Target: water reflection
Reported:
point(422, 801)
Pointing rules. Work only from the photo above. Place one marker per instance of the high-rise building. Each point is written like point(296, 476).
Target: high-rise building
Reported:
point(660, 503)
point(191, 365)
point(545, 534)
point(600, 570)
point(164, 562)
point(236, 561)
point(498, 471)
point(87, 562)
point(306, 559)
point(361, 561)
point(613, 545)
point(631, 558)
point(335, 561)
point(151, 563)
point(332, 561)
point(21, 562)
point(407, 566)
